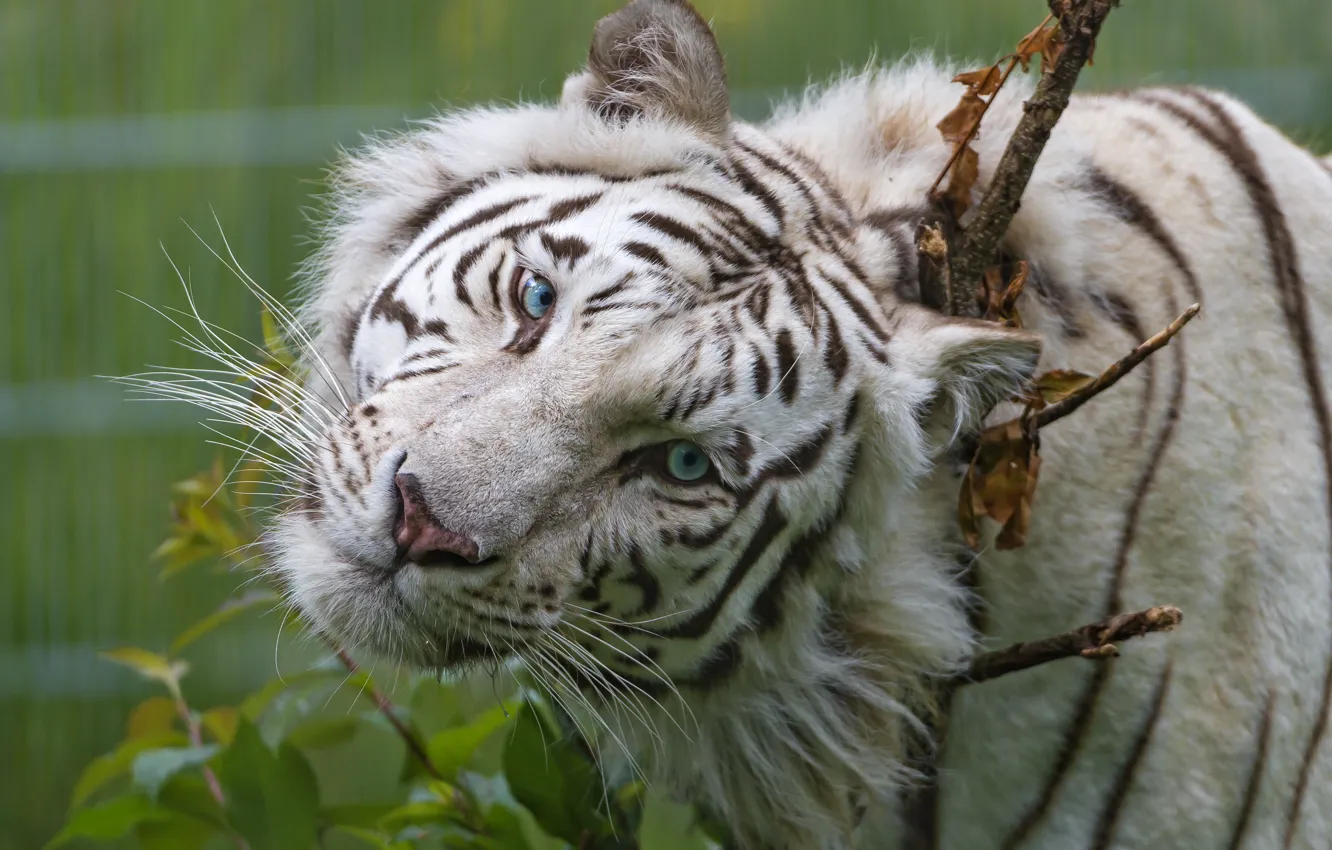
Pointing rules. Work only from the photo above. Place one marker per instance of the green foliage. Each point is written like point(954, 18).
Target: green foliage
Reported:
point(487, 764)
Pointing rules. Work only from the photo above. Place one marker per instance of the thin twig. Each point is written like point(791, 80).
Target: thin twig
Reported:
point(196, 740)
point(1095, 641)
point(977, 244)
point(1112, 374)
point(390, 714)
point(1012, 60)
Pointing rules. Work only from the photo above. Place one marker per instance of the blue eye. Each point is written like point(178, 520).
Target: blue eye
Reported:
point(685, 461)
point(536, 295)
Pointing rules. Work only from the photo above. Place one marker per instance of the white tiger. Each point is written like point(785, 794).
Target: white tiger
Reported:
point(639, 393)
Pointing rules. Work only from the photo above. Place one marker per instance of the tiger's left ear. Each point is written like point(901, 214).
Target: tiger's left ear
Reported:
point(656, 58)
point(969, 365)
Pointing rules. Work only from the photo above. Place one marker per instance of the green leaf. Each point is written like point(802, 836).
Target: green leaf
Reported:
point(153, 716)
point(150, 665)
point(188, 794)
point(271, 798)
point(256, 703)
point(274, 343)
point(451, 749)
point(221, 723)
point(112, 819)
point(420, 813)
point(434, 707)
point(369, 836)
point(361, 816)
point(553, 780)
point(153, 768)
point(177, 833)
point(319, 734)
point(226, 612)
point(116, 763)
point(667, 825)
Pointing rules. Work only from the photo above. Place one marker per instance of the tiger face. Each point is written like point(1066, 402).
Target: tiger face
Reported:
point(623, 380)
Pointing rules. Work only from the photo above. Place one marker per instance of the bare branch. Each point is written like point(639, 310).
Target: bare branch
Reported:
point(386, 708)
point(974, 248)
point(1095, 641)
point(1113, 372)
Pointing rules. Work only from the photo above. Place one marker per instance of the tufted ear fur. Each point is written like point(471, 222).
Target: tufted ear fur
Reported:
point(656, 58)
point(969, 364)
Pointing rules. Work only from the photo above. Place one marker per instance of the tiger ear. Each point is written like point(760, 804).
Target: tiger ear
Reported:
point(969, 365)
point(656, 58)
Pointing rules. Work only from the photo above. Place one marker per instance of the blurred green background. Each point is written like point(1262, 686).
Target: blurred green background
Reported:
point(122, 121)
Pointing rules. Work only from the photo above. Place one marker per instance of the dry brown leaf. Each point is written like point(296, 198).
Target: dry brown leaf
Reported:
point(956, 126)
point(961, 178)
point(1000, 484)
point(983, 82)
point(1059, 384)
point(1042, 41)
point(999, 298)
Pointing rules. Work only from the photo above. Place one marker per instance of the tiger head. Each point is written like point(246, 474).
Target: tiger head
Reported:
point(626, 388)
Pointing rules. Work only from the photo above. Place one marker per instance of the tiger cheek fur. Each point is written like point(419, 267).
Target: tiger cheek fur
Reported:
point(640, 394)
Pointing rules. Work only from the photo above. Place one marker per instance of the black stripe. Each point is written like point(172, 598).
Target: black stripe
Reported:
point(389, 306)
point(642, 578)
point(861, 311)
point(568, 248)
point(717, 667)
point(796, 565)
point(770, 526)
point(677, 230)
point(418, 373)
point(571, 207)
point(760, 371)
point(1229, 141)
point(476, 219)
point(787, 369)
point(1256, 772)
point(614, 289)
point(834, 353)
point(753, 186)
point(646, 253)
point(1131, 209)
point(494, 280)
point(432, 209)
point(465, 263)
point(1105, 826)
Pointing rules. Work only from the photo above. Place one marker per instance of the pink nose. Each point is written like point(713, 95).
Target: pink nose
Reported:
point(420, 537)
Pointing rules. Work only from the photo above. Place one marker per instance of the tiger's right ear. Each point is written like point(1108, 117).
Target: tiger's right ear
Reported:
point(656, 58)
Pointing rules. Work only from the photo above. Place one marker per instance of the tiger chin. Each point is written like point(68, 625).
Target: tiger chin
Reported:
point(642, 395)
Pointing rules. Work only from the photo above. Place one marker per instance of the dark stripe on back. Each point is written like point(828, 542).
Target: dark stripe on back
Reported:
point(1105, 827)
point(1131, 210)
point(1229, 141)
point(1256, 772)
